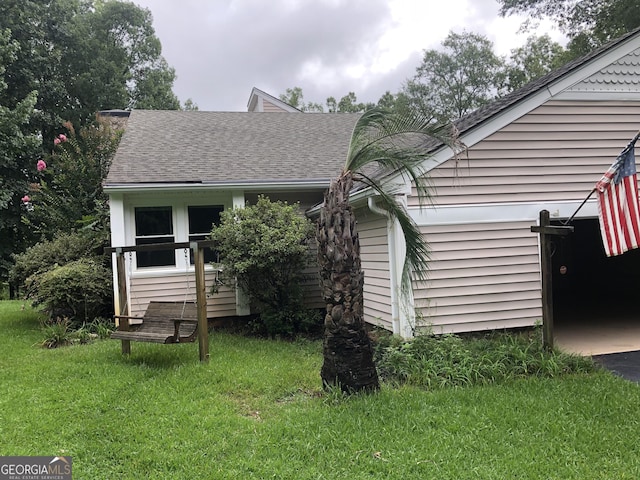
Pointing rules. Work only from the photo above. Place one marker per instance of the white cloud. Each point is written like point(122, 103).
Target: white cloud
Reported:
point(221, 49)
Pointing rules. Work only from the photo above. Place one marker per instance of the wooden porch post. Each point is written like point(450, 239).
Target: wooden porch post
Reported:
point(201, 299)
point(123, 324)
point(546, 230)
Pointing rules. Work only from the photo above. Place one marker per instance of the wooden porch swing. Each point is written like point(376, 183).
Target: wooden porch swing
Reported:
point(164, 321)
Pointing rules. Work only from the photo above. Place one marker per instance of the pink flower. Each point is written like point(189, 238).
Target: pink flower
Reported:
point(26, 199)
point(56, 141)
point(41, 165)
point(62, 137)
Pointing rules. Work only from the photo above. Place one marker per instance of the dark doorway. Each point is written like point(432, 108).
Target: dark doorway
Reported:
point(591, 290)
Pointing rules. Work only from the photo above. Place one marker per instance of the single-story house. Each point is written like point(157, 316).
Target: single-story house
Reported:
point(541, 147)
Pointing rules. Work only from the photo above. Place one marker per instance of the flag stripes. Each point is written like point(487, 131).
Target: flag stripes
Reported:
point(618, 204)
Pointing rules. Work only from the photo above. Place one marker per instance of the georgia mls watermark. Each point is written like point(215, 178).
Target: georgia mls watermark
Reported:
point(35, 468)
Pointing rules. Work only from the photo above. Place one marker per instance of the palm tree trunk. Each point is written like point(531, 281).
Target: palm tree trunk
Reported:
point(347, 350)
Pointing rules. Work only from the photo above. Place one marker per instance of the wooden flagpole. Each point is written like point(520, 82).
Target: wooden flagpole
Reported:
point(546, 230)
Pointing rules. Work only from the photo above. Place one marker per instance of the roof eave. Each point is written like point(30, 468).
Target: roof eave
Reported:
point(230, 185)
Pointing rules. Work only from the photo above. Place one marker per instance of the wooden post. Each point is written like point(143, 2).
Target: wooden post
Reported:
point(201, 298)
point(546, 230)
point(123, 324)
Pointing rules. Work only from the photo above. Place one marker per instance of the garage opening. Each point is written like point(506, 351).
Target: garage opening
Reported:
point(596, 299)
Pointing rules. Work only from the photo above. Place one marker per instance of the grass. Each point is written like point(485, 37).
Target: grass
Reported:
point(256, 411)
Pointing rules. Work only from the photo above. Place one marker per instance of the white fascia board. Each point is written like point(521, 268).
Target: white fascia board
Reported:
point(498, 213)
point(246, 186)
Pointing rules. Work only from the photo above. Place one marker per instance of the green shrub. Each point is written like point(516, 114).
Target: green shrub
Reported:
point(63, 249)
point(80, 290)
point(264, 249)
point(68, 276)
point(430, 361)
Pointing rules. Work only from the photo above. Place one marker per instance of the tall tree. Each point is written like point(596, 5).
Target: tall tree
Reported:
point(458, 80)
point(82, 56)
point(65, 60)
point(537, 57)
point(588, 23)
point(391, 141)
point(127, 37)
point(19, 147)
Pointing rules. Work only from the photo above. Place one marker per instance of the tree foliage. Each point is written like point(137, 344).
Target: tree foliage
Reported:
point(448, 84)
point(537, 57)
point(588, 23)
point(347, 104)
point(63, 61)
point(295, 98)
point(264, 249)
point(19, 146)
point(82, 56)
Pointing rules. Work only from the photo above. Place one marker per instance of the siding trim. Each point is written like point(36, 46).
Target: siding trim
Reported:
point(502, 212)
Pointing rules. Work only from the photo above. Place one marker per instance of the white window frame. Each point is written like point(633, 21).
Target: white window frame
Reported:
point(179, 203)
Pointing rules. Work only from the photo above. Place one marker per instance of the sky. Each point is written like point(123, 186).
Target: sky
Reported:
point(221, 49)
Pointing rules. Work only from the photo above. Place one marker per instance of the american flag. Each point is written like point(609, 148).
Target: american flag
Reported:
point(618, 206)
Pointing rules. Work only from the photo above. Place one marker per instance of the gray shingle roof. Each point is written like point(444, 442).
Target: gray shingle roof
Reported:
point(230, 147)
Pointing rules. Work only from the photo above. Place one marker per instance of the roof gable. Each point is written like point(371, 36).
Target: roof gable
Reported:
point(260, 101)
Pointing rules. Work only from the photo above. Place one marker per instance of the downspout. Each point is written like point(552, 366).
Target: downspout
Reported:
point(393, 265)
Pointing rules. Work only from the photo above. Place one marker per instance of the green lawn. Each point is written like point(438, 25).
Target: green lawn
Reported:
point(256, 411)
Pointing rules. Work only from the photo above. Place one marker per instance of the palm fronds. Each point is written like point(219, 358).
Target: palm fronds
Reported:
point(387, 144)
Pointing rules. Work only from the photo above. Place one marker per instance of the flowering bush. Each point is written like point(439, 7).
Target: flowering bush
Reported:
point(60, 139)
point(68, 192)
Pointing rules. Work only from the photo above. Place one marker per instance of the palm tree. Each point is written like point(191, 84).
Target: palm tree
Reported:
point(382, 142)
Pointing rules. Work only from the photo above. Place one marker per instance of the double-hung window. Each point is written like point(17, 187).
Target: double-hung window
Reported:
point(154, 225)
point(201, 219)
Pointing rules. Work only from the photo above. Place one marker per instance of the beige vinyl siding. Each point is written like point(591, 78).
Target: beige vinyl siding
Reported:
point(174, 287)
point(374, 253)
point(267, 106)
point(556, 152)
point(481, 276)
